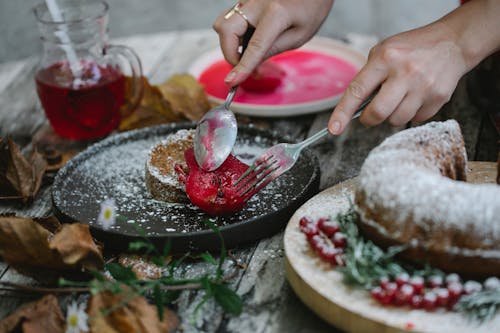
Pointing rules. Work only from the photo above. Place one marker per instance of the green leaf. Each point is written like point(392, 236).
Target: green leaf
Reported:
point(98, 276)
point(62, 282)
point(207, 285)
point(141, 246)
point(121, 273)
point(170, 296)
point(227, 298)
point(158, 299)
point(223, 252)
point(158, 260)
point(207, 257)
point(167, 247)
point(95, 287)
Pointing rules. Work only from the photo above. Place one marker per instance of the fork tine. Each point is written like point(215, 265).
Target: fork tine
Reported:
point(260, 185)
point(253, 176)
point(253, 167)
point(257, 181)
point(260, 181)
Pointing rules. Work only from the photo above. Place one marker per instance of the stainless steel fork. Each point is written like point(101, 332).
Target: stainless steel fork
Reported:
point(277, 160)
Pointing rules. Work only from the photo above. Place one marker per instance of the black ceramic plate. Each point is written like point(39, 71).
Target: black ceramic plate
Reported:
point(114, 168)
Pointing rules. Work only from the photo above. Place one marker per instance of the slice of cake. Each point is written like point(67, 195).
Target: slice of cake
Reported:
point(161, 178)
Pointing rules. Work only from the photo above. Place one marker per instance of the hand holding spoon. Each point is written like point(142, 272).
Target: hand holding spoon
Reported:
point(216, 132)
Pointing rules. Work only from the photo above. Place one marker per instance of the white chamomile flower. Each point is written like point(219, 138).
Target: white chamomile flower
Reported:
point(107, 216)
point(76, 318)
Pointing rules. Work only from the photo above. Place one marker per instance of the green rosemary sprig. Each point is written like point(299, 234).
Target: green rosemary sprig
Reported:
point(366, 264)
point(480, 306)
point(166, 289)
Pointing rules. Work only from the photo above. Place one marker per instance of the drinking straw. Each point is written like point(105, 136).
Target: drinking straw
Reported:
point(74, 64)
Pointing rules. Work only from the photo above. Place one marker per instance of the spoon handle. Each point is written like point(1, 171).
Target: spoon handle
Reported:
point(244, 43)
point(230, 97)
point(246, 38)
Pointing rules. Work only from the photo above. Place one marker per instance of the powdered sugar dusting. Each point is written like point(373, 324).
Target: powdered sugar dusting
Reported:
point(115, 168)
point(402, 180)
point(184, 135)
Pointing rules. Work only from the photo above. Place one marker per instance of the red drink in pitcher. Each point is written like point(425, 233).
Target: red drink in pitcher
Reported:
point(83, 108)
point(80, 79)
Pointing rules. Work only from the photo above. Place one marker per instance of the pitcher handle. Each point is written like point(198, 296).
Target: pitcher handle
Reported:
point(137, 86)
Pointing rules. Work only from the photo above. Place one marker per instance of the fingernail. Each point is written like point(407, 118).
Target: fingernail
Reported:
point(335, 127)
point(230, 77)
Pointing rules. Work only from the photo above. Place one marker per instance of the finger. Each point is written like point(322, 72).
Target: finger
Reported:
point(286, 41)
point(365, 82)
point(230, 31)
point(390, 95)
point(427, 111)
point(406, 110)
point(266, 32)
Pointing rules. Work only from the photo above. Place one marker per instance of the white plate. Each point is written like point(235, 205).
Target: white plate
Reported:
point(327, 46)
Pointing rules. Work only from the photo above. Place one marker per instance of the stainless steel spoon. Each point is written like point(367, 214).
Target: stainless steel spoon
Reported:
point(216, 132)
point(215, 135)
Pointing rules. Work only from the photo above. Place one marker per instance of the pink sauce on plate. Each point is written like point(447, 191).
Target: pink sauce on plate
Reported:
point(310, 76)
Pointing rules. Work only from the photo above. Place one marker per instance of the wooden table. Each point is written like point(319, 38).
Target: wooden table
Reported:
point(269, 303)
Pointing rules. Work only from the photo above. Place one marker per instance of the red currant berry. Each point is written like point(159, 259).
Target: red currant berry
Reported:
point(404, 295)
point(377, 293)
point(309, 230)
point(442, 297)
point(435, 281)
point(452, 278)
point(456, 290)
point(402, 279)
point(327, 253)
point(492, 283)
point(384, 281)
point(417, 301)
point(418, 284)
point(339, 240)
point(381, 296)
point(317, 242)
point(472, 287)
point(304, 220)
point(391, 289)
point(328, 227)
point(429, 301)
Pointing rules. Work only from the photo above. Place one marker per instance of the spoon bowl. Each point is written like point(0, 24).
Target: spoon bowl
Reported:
point(215, 135)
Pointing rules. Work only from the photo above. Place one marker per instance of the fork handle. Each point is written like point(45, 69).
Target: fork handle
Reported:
point(324, 131)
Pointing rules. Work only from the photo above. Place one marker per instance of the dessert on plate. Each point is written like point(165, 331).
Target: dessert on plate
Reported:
point(173, 175)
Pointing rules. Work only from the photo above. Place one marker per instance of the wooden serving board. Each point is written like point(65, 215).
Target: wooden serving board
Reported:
point(321, 288)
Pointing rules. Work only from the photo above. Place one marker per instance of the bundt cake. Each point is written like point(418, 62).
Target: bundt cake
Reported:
point(412, 192)
point(161, 178)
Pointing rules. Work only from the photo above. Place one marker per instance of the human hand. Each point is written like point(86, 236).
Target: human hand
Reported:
point(280, 25)
point(417, 72)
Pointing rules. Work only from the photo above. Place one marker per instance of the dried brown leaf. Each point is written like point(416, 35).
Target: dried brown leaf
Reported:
point(130, 313)
point(41, 316)
point(29, 246)
point(20, 177)
point(152, 110)
point(186, 96)
point(76, 247)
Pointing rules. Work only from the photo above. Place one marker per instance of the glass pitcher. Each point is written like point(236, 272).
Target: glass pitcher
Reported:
point(81, 80)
